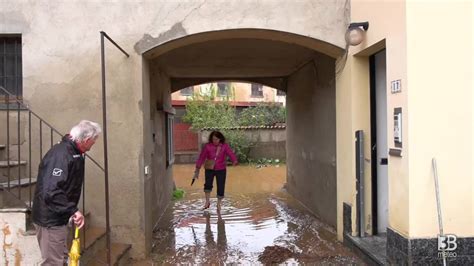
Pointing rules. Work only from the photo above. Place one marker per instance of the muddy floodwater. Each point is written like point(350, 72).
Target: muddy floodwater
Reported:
point(259, 224)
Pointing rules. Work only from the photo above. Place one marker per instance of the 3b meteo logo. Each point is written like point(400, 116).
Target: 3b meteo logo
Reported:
point(447, 245)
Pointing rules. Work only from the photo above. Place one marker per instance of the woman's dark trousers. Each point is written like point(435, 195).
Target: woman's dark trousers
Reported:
point(220, 180)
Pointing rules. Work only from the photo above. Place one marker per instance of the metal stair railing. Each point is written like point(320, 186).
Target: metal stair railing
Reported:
point(15, 105)
point(104, 169)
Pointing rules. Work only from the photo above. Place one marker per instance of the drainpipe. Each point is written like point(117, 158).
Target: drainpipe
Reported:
point(360, 181)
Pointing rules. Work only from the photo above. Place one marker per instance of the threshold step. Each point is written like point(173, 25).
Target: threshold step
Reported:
point(15, 183)
point(371, 248)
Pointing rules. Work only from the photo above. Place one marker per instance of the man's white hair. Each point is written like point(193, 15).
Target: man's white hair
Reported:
point(85, 130)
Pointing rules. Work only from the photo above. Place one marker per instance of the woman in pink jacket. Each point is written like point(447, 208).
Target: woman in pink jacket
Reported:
point(215, 150)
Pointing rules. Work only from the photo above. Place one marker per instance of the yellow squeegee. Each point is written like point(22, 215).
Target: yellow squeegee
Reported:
point(75, 252)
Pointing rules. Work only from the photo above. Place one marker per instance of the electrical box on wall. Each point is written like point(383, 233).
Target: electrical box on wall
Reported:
point(397, 127)
point(147, 170)
point(397, 133)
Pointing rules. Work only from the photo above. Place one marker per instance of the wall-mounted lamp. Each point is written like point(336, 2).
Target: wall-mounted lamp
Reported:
point(356, 32)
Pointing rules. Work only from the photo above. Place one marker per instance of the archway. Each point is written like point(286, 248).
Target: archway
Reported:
point(302, 67)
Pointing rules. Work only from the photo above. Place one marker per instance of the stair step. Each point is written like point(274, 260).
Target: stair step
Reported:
point(93, 234)
point(14, 183)
point(9, 202)
point(2, 146)
point(118, 251)
point(4, 164)
point(94, 241)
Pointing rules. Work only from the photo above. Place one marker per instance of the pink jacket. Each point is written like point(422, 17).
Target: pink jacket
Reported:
point(209, 152)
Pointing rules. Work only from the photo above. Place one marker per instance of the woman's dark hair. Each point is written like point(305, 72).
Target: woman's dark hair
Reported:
point(218, 135)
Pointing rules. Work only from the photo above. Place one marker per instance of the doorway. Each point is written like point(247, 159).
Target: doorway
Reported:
point(379, 142)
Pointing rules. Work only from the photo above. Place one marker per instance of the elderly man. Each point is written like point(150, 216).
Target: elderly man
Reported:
point(58, 189)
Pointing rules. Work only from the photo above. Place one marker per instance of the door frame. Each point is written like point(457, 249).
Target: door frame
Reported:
point(373, 142)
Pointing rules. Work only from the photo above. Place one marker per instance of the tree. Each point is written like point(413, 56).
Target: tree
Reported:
point(202, 111)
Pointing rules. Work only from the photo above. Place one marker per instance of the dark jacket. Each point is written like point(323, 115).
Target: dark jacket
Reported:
point(59, 184)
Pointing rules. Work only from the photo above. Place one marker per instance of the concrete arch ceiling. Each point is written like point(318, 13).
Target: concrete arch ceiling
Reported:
point(250, 55)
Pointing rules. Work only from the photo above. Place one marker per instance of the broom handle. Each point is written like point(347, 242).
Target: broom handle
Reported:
point(438, 204)
point(76, 235)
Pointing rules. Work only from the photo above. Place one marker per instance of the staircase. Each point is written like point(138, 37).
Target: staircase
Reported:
point(17, 186)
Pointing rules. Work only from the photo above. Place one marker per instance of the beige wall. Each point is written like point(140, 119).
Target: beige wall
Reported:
point(158, 184)
point(61, 70)
point(433, 94)
point(62, 83)
point(440, 119)
point(241, 92)
point(311, 138)
point(353, 105)
point(344, 149)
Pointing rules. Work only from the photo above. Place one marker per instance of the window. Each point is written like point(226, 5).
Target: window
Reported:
point(187, 91)
point(10, 65)
point(180, 112)
point(281, 93)
point(222, 89)
point(169, 139)
point(257, 90)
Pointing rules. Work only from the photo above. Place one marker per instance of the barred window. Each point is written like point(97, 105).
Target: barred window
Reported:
point(11, 65)
point(222, 89)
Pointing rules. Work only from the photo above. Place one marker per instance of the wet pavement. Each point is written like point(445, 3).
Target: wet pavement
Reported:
point(259, 223)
